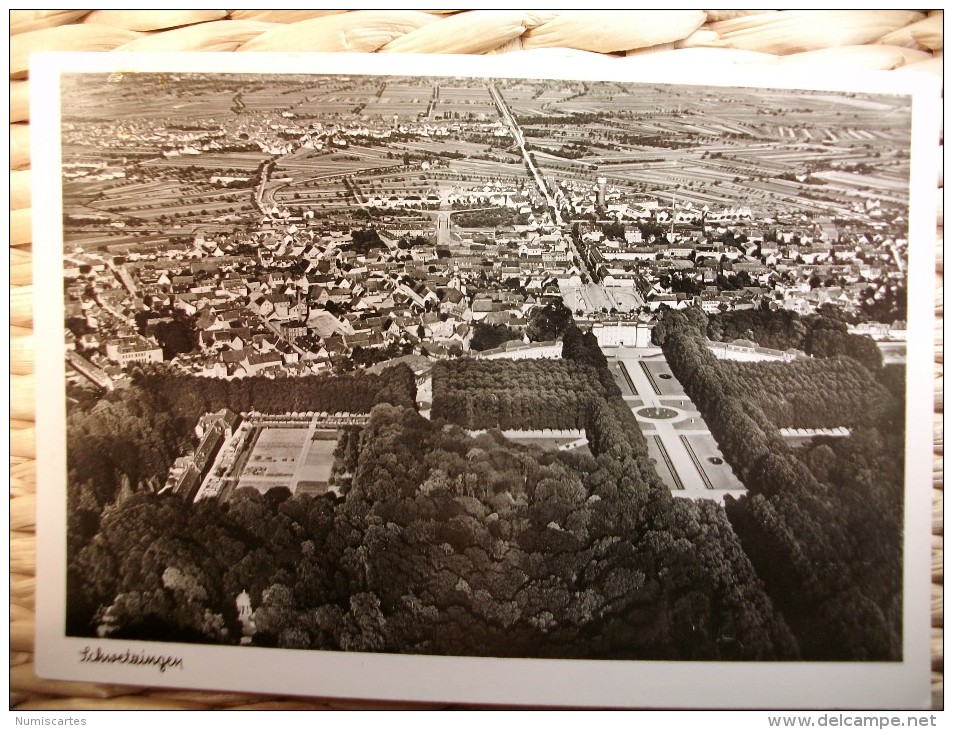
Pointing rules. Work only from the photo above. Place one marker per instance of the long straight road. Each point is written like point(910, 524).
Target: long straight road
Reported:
point(122, 273)
point(592, 297)
point(521, 142)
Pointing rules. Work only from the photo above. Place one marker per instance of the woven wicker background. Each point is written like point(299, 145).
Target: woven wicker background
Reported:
point(817, 40)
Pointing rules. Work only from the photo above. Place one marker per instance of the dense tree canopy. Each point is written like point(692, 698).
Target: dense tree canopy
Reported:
point(487, 336)
point(363, 240)
point(822, 335)
point(548, 322)
point(480, 547)
point(508, 394)
point(822, 526)
point(188, 397)
point(811, 393)
point(446, 544)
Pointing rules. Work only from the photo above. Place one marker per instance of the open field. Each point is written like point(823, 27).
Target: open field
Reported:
point(711, 147)
point(245, 161)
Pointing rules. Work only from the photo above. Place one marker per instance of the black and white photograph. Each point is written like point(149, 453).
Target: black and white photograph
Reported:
point(609, 374)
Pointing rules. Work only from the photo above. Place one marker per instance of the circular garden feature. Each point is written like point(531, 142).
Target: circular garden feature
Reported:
point(656, 413)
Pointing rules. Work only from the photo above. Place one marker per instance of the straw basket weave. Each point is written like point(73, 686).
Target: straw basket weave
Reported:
point(836, 40)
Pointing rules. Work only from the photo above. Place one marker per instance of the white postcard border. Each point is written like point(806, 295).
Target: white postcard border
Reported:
point(464, 679)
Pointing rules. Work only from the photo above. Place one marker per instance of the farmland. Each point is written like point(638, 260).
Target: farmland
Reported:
point(207, 153)
point(708, 148)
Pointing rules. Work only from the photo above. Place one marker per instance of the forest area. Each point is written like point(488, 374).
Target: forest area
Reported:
point(820, 335)
point(125, 443)
point(447, 543)
point(443, 544)
point(823, 524)
point(817, 393)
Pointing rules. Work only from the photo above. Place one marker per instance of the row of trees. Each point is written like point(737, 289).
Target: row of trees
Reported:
point(812, 393)
point(821, 528)
point(508, 394)
point(821, 335)
point(187, 397)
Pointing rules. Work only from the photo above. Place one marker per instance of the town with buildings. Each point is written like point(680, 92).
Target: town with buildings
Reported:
point(281, 244)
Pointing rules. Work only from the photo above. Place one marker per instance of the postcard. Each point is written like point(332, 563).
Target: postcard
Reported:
point(499, 380)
